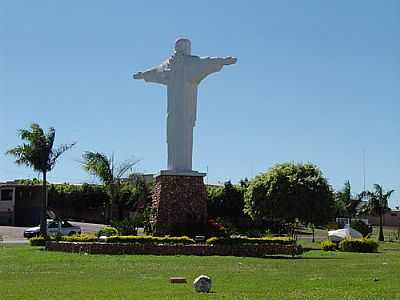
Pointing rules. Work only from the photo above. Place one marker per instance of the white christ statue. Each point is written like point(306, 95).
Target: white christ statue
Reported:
point(182, 73)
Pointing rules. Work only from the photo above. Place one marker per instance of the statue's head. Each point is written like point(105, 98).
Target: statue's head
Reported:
point(183, 46)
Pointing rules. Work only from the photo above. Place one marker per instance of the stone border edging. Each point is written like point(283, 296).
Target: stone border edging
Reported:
point(153, 249)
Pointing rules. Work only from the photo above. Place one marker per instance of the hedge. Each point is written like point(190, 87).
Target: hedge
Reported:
point(150, 240)
point(359, 245)
point(108, 231)
point(328, 246)
point(249, 241)
point(176, 249)
point(41, 241)
point(37, 241)
point(78, 238)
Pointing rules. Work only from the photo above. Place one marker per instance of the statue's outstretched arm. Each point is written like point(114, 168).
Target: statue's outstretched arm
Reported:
point(229, 60)
point(156, 75)
point(209, 65)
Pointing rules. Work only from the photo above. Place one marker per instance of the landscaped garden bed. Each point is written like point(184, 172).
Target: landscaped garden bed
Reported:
point(181, 246)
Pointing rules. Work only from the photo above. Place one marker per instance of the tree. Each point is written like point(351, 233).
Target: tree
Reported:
point(347, 203)
point(288, 192)
point(38, 153)
point(103, 167)
point(226, 201)
point(377, 205)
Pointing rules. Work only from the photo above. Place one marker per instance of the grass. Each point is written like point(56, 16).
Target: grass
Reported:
point(31, 273)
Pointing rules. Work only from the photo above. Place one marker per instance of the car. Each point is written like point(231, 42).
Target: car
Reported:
point(54, 227)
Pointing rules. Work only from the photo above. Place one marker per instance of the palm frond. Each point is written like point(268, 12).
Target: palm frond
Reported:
point(50, 137)
point(27, 134)
point(377, 200)
point(99, 165)
point(125, 167)
point(378, 189)
point(37, 152)
point(22, 155)
point(388, 194)
point(56, 153)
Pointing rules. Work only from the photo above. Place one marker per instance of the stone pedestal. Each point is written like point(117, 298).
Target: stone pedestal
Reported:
point(179, 204)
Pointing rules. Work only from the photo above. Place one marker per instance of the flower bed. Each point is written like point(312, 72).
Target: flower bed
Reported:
point(258, 250)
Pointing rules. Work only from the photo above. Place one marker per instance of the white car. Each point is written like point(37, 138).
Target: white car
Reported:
point(54, 227)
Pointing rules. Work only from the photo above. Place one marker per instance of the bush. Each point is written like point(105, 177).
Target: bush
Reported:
point(150, 240)
point(41, 241)
point(74, 201)
point(359, 245)
point(37, 241)
point(79, 238)
point(107, 231)
point(361, 227)
point(249, 241)
point(127, 226)
point(328, 246)
point(215, 228)
point(289, 192)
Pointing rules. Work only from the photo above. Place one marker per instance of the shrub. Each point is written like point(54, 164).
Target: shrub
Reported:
point(361, 227)
point(79, 238)
point(41, 241)
point(107, 231)
point(73, 201)
point(150, 240)
point(37, 241)
point(290, 191)
point(249, 241)
point(127, 226)
point(215, 229)
point(328, 246)
point(359, 245)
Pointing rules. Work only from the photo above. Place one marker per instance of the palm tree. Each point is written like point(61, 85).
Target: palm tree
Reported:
point(103, 167)
point(38, 153)
point(378, 205)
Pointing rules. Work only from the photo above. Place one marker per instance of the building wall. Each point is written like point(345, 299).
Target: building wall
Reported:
point(27, 205)
point(7, 202)
point(389, 219)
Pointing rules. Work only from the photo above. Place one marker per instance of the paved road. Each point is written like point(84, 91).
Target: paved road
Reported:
point(15, 235)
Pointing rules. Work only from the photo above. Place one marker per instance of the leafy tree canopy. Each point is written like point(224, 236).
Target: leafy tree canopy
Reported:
point(290, 191)
point(226, 201)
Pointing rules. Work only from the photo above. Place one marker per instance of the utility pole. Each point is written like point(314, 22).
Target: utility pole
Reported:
point(207, 176)
point(364, 169)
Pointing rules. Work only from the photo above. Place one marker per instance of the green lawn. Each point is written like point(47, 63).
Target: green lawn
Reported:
point(31, 273)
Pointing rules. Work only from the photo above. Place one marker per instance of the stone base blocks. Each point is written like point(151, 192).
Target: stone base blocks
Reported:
point(179, 205)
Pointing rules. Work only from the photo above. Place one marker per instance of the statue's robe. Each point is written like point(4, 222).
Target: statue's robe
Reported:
point(182, 74)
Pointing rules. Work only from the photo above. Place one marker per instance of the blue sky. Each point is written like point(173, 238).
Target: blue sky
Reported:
point(316, 81)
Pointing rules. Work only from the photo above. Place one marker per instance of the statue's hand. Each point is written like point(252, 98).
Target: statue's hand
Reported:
point(230, 60)
point(138, 75)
